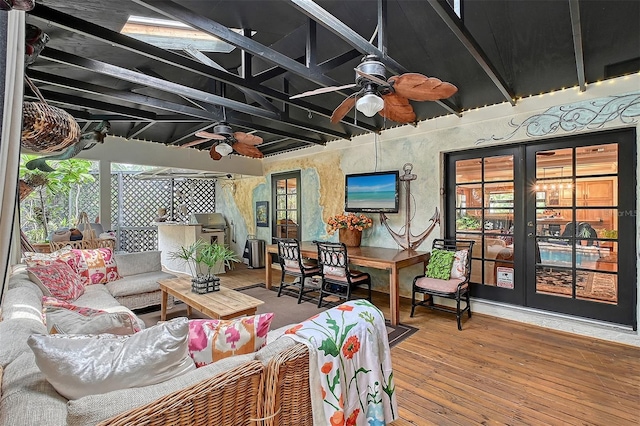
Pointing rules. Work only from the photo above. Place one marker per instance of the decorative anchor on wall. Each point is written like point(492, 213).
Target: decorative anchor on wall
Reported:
point(406, 240)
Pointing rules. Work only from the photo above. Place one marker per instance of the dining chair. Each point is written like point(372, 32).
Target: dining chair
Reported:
point(337, 278)
point(447, 275)
point(292, 264)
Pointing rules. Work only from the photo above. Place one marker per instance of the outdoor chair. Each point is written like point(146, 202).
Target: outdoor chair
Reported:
point(292, 264)
point(337, 278)
point(447, 275)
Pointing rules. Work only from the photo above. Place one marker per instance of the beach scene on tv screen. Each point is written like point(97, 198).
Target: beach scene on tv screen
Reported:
point(366, 192)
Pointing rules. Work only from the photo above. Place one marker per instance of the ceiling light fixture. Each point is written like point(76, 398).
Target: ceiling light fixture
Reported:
point(370, 104)
point(224, 149)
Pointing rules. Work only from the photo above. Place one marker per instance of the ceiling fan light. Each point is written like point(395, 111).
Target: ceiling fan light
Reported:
point(370, 104)
point(224, 149)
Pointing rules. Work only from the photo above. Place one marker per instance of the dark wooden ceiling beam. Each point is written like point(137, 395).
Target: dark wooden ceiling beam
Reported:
point(96, 32)
point(455, 25)
point(151, 102)
point(311, 47)
point(188, 134)
point(338, 60)
point(278, 132)
point(86, 126)
point(180, 13)
point(272, 72)
point(382, 26)
point(576, 30)
point(261, 100)
point(120, 95)
point(78, 101)
point(333, 24)
point(201, 105)
point(157, 83)
point(139, 129)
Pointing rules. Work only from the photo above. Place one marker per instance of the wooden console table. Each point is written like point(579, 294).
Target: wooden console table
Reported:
point(391, 260)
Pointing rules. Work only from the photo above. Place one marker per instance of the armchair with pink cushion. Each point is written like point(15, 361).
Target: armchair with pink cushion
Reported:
point(456, 286)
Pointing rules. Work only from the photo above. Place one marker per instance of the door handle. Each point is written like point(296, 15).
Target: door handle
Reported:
point(530, 234)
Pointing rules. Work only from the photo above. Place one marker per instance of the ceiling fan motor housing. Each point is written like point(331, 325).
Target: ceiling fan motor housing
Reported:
point(223, 129)
point(372, 66)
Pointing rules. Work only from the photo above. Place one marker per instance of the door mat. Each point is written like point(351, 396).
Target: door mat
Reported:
point(288, 311)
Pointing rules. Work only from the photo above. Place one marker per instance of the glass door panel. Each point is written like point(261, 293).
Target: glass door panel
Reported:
point(574, 215)
point(553, 223)
point(485, 212)
point(286, 201)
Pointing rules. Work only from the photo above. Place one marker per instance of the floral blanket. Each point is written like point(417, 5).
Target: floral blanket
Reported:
point(353, 382)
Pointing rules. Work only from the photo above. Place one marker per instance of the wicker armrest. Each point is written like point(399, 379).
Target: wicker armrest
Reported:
point(287, 399)
point(228, 399)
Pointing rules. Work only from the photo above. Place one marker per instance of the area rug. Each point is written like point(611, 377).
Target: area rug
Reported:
point(589, 285)
point(288, 311)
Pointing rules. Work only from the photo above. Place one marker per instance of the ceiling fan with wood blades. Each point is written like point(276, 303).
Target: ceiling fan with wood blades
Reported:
point(227, 141)
point(390, 98)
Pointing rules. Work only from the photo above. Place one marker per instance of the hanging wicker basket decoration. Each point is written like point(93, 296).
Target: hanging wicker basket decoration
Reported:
point(24, 189)
point(46, 128)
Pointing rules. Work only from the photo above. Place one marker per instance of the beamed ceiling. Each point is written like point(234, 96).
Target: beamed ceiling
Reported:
point(499, 51)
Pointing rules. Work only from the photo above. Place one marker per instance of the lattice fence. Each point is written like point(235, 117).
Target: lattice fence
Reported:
point(134, 205)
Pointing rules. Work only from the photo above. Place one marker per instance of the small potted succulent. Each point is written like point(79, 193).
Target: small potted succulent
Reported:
point(203, 259)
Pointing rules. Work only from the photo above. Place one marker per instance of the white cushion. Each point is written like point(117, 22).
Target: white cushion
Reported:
point(137, 284)
point(27, 397)
point(80, 365)
point(138, 263)
point(66, 321)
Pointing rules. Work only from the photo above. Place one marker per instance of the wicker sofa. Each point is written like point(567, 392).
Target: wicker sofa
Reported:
point(269, 387)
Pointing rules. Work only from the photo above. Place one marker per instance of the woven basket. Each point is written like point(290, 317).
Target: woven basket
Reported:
point(84, 244)
point(46, 128)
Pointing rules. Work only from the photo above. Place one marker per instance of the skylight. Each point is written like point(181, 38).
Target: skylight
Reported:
point(173, 35)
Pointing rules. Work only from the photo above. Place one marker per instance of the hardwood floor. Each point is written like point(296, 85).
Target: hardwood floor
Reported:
point(497, 372)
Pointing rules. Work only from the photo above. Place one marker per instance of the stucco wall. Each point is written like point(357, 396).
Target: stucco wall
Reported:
point(323, 168)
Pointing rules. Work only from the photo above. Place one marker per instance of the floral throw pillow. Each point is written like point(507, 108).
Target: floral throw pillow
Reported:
point(52, 302)
point(440, 264)
point(63, 317)
point(64, 255)
point(211, 340)
point(96, 266)
point(57, 280)
point(459, 268)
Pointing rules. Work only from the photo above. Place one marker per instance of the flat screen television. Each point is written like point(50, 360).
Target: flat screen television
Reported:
point(372, 192)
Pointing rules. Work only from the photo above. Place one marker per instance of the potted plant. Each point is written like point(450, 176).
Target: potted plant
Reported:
point(203, 259)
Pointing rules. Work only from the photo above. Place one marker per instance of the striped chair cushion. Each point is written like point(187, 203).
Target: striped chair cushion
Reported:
point(442, 286)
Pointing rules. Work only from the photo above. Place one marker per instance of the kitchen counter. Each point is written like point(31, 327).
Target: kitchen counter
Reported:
point(172, 236)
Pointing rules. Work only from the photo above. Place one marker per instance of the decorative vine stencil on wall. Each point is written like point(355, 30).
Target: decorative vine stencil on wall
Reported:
point(592, 114)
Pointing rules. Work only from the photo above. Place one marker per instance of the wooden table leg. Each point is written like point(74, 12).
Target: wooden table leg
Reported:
point(188, 311)
point(267, 269)
point(163, 306)
point(394, 297)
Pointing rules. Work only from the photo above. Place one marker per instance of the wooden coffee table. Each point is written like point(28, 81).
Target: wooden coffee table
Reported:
point(223, 304)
